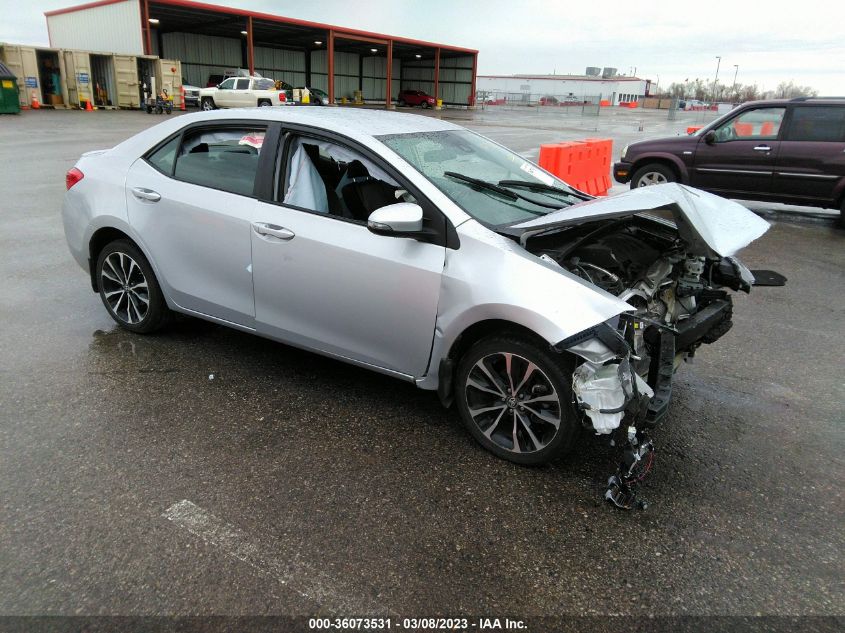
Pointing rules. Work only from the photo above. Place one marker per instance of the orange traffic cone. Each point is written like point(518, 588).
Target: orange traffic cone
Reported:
point(88, 107)
point(34, 101)
point(182, 88)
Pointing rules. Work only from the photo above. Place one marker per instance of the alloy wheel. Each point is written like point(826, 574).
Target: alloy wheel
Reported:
point(125, 288)
point(513, 402)
point(652, 178)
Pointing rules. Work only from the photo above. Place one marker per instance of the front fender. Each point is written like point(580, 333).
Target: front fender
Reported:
point(492, 278)
point(663, 157)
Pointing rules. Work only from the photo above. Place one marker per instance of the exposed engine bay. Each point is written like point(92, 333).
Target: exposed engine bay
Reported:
point(680, 301)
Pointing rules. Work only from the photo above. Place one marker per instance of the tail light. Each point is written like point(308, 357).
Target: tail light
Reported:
point(73, 177)
point(282, 97)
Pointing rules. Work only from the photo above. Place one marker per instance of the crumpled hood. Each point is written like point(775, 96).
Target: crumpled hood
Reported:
point(711, 225)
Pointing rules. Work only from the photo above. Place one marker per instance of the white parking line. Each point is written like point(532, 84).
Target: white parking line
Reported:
point(295, 574)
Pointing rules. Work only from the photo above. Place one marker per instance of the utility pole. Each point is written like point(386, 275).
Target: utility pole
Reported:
point(733, 88)
point(718, 63)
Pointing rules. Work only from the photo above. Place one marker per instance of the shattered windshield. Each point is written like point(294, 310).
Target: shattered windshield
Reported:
point(491, 183)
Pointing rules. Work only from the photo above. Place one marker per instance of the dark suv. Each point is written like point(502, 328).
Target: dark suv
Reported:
point(790, 151)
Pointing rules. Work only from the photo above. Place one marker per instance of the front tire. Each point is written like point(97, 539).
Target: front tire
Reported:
point(129, 289)
point(208, 104)
point(515, 398)
point(652, 174)
point(424, 105)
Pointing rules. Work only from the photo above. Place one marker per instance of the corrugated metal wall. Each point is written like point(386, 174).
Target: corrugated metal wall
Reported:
point(374, 73)
point(418, 74)
point(345, 73)
point(202, 55)
point(280, 64)
point(114, 28)
point(455, 78)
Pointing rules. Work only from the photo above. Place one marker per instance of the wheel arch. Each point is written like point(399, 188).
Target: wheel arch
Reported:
point(468, 337)
point(103, 236)
point(667, 160)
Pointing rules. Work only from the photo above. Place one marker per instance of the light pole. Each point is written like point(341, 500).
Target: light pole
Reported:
point(718, 63)
point(733, 88)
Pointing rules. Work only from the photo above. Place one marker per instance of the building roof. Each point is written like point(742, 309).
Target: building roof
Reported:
point(202, 6)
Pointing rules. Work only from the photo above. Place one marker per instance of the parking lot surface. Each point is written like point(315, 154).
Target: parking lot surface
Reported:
point(206, 471)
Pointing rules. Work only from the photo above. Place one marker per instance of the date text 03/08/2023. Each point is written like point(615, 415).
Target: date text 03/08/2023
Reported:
point(416, 624)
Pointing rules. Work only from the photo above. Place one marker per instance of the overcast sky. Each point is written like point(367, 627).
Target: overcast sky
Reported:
point(771, 41)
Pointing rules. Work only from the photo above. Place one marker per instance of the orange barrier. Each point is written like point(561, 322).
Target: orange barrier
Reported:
point(604, 103)
point(744, 129)
point(34, 102)
point(583, 164)
point(767, 129)
point(182, 92)
point(692, 129)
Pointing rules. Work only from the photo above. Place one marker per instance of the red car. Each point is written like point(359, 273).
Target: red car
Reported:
point(415, 98)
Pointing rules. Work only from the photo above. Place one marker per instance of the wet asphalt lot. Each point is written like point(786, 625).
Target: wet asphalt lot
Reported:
point(132, 482)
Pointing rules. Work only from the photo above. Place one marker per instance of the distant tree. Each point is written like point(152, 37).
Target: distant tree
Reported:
point(676, 90)
point(748, 93)
point(788, 90)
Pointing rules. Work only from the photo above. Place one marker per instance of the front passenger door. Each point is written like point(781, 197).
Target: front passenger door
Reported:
point(325, 282)
point(741, 159)
point(224, 97)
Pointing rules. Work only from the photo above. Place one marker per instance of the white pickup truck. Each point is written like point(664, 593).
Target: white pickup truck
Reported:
point(243, 92)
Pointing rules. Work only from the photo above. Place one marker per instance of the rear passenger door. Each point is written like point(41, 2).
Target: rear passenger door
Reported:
point(811, 162)
point(242, 96)
point(190, 201)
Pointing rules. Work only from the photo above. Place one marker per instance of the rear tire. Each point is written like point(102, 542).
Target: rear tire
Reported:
point(129, 289)
point(515, 397)
point(264, 103)
point(208, 104)
point(840, 223)
point(652, 174)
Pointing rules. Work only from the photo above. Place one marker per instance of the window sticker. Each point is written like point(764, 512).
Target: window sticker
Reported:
point(537, 173)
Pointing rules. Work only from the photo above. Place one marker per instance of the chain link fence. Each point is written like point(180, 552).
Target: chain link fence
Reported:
point(582, 105)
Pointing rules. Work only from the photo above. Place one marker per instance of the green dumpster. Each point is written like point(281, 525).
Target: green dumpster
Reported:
point(9, 103)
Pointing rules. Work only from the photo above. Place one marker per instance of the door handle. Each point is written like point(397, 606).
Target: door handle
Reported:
point(762, 148)
point(274, 230)
point(146, 194)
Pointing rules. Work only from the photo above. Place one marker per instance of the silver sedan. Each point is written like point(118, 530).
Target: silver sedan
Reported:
point(419, 249)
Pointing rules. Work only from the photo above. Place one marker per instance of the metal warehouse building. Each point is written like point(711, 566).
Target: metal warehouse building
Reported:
point(210, 39)
point(532, 88)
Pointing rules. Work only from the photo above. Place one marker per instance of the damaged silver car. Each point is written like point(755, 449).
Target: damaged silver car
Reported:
point(416, 248)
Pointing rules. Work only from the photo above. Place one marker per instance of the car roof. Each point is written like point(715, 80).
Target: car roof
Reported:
point(349, 121)
point(359, 124)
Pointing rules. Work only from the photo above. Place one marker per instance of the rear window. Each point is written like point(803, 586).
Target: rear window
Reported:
point(162, 159)
point(220, 158)
point(817, 123)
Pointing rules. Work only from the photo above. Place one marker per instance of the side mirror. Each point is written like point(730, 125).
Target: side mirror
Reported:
point(710, 138)
point(402, 219)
